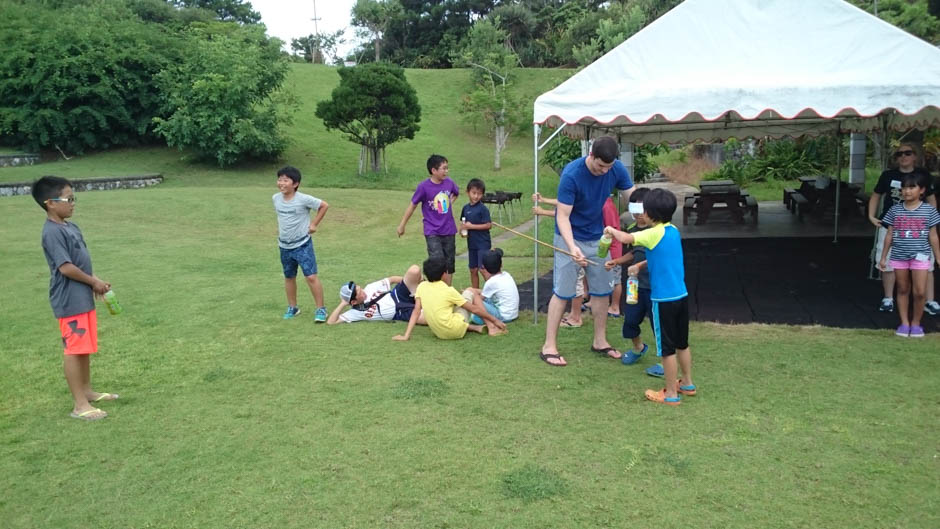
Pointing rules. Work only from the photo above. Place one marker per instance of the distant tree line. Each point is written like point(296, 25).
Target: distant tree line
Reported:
point(78, 75)
point(548, 33)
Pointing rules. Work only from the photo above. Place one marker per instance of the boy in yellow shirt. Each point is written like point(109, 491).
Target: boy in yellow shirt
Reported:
point(437, 300)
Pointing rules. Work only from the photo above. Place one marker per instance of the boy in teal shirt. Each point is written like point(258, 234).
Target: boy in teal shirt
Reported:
point(669, 296)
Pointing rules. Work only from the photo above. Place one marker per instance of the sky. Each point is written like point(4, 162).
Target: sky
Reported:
point(291, 19)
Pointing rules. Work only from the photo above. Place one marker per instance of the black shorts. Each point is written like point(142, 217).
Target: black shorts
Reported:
point(404, 302)
point(671, 323)
point(442, 247)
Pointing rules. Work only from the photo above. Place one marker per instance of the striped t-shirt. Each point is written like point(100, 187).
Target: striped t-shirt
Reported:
point(910, 230)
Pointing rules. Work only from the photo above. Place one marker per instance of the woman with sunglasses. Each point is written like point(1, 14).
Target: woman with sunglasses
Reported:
point(889, 187)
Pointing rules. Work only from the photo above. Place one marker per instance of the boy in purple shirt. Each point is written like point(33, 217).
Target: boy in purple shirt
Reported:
point(436, 196)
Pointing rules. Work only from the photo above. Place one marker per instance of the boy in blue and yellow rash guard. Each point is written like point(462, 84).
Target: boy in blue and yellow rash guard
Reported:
point(669, 296)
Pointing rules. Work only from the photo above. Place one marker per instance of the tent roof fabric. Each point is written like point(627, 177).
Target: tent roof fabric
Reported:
point(714, 69)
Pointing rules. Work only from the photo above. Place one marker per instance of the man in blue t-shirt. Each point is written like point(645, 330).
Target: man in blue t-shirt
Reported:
point(579, 223)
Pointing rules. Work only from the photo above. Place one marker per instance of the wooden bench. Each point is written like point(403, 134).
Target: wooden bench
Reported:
point(786, 197)
point(799, 203)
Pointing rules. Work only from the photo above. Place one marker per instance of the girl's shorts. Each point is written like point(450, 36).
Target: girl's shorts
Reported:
point(913, 264)
point(80, 333)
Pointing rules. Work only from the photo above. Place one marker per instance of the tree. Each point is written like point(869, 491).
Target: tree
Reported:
point(86, 85)
point(317, 48)
point(238, 11)
point(375, 17)
point(374, 106)
point(223, 99)
point(492, 99)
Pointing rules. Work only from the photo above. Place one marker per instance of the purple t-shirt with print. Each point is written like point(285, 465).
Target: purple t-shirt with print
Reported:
point(436, 202)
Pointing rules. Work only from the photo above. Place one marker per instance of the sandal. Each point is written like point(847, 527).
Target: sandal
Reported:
point(546, 357)
point(661, 398)
point(566, 323)
point(606, 351)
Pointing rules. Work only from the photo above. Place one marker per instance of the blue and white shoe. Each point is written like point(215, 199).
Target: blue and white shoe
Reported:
point(656, 371)
point(631, 358)
point(320, 315)
point(291, 312)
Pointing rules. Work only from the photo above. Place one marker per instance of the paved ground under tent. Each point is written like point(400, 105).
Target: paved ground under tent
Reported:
point(800, 281)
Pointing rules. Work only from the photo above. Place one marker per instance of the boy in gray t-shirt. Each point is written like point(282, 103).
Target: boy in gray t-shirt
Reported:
point(72, 291)
point(294, 229)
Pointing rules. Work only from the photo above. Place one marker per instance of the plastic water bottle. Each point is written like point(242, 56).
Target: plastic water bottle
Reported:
point(111, 300)
point(603, 245)
point(633, 290)
point(463, 231)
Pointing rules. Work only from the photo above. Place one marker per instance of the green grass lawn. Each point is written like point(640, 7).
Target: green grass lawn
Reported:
point(232, 417)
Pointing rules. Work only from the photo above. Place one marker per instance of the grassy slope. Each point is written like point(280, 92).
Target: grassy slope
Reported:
point(328, 160)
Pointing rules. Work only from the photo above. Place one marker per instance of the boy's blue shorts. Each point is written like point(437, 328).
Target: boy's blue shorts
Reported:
point(302, 255)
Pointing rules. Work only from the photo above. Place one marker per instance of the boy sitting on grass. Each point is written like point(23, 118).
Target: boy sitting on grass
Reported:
point(669, 295)
point(437, 300)
point(500, 294)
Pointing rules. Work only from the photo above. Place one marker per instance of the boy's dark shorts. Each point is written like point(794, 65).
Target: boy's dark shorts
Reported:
point(633, 314)
point(443, 247)
point(671, 322)
point(404, 302)
point(302, 255)
point(475, 258)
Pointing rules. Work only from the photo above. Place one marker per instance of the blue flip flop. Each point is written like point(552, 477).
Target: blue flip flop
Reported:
point(631, 358)
point(656, 371)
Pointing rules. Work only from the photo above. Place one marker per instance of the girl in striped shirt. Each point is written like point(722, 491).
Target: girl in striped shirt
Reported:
point(914, 249)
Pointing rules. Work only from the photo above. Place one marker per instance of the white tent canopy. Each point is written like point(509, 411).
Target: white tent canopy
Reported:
point(714, 69)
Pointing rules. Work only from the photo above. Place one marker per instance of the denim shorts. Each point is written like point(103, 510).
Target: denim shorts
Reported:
point(565, 275)
point(302, 255)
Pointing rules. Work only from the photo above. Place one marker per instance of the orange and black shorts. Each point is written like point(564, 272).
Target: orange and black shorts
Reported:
point(80, 333)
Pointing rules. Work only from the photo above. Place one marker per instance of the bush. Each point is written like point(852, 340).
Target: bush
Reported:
point(222, 100)
point(86, 85)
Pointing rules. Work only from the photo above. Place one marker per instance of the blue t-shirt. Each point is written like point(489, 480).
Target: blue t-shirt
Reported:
point(586, 194)
point(665, 261)
point(477, 214)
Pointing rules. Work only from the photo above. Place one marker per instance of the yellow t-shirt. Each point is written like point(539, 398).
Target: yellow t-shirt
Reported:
point(438, 301)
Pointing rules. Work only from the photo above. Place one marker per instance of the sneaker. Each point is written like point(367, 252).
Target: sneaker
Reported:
point(917, 331)
point(656, 371)
point(932, 308)
point(291, 312)
point(887, 305)
point(320, 316)
point(905, 331)
point(631, 358)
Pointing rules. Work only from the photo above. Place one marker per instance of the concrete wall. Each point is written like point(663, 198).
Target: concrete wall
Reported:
point(14, 160)
point(91, 184)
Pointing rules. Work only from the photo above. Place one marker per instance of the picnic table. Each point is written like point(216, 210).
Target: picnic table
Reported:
point(819, 198)
point(724, 194)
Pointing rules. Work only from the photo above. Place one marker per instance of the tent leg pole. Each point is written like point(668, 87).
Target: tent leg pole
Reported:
point(536, 129)
point(835, 233)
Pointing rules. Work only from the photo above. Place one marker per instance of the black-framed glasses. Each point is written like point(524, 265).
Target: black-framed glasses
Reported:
point(70, 200)
point(903, 153)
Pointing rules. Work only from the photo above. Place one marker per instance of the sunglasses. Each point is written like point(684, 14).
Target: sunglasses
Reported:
point(70, 200)
point(903, 153)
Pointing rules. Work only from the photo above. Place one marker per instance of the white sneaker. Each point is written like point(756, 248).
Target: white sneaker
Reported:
point(887, 305)
point(932, 308)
